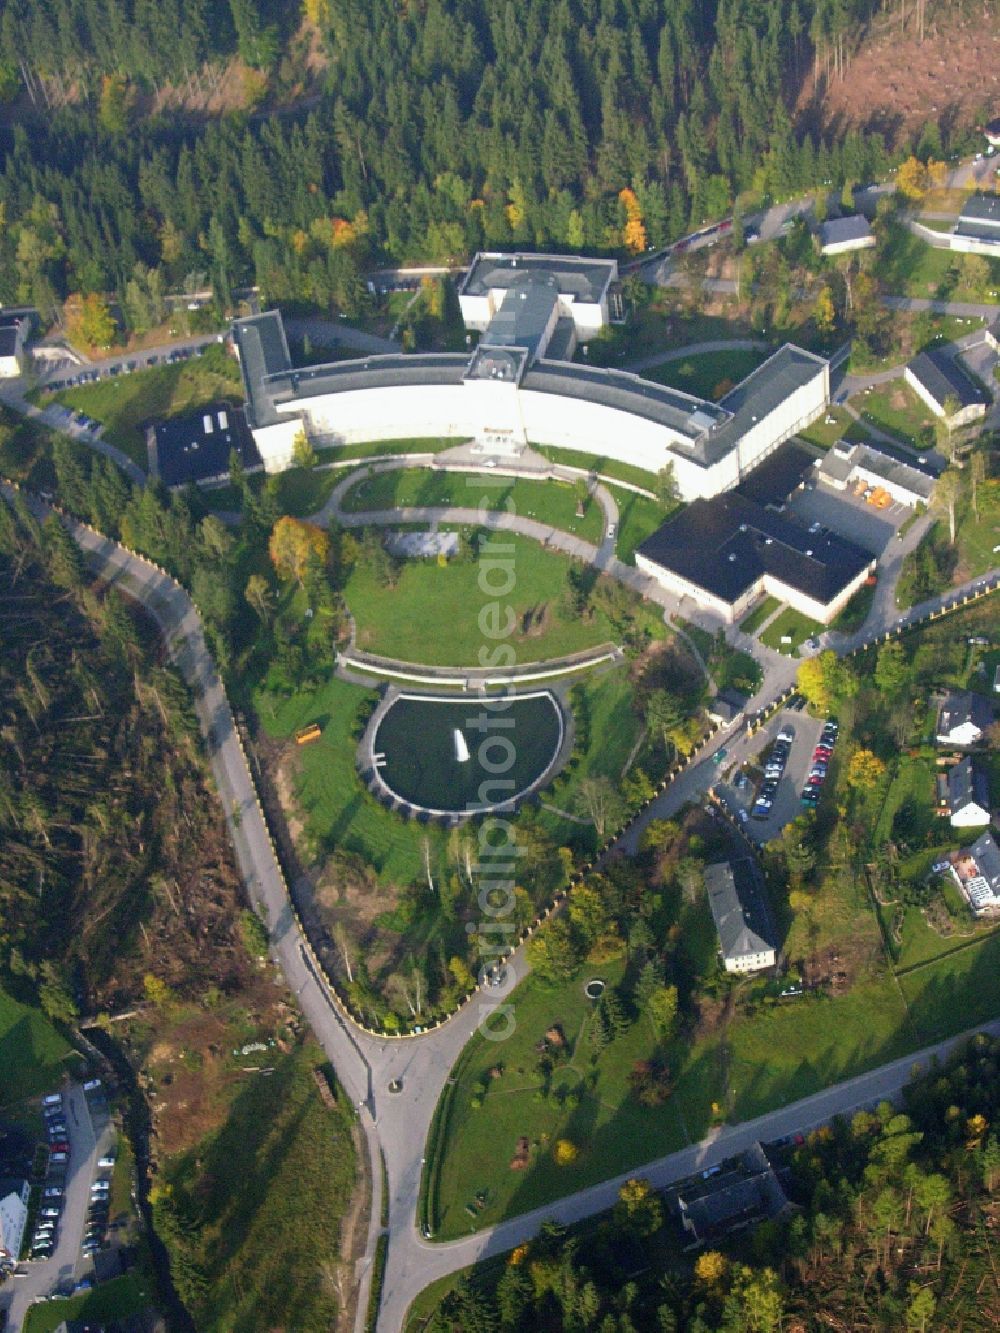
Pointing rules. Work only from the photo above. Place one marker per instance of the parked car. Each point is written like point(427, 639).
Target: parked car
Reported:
point(61, 1156)
point(787, 734)
point(50, 1211)
point(107, 1161)
point(52, 1099)
point(92, 1084)
point(52, 1192)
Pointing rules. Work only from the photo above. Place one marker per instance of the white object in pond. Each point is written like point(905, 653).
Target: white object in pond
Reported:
point(461, 749)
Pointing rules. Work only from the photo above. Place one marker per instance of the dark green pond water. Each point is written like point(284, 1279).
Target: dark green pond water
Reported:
point(509, 744)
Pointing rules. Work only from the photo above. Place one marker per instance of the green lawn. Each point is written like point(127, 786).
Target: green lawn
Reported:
point(897, 410)
point(551, 502)
point(909, 266)
point(638, 518)
point(610, 1128)
point(613, 726)
point(33, 1055)
point(956, 992)
point(340, 812)
point(757, 617)
point(432, 615)
point(793, 624)
point(269, 1190)
point(705, 375)
point(824, 435)
point(118, 1299)
point(607, 467)
point(124, 404)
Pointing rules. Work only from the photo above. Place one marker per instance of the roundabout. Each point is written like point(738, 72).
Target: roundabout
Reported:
point(445, 758)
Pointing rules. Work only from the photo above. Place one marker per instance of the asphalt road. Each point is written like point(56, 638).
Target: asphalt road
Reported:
point(787, 803)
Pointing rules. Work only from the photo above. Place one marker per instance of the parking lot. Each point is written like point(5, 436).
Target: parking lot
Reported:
point(848, 515)
point(90, 1135)
point(787, 803)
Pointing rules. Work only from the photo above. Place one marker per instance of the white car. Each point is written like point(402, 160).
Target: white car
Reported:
point(92, 1084)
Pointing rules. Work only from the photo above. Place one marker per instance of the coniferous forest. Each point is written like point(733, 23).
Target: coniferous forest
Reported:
point(427, 130)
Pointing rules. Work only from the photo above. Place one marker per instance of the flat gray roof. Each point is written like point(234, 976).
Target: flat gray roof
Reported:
point(524, 313)
point(839, 463)
point(577, 276)
point(617, 388)
point(756, 397)
point(374, 372)
point(263, 352)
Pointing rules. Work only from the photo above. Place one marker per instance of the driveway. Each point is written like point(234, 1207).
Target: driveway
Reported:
point(786, 799)
point(849, 516)
point(41, 1277)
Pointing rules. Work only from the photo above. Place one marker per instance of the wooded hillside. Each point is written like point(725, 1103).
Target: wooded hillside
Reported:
point(441, 128)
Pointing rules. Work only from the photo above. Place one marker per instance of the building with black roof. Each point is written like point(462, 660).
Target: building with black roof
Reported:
point(937, 377)
point(725, 552)
point(196, 447)
point(738, 1193)
point(773, 482)
point(964, 794)
point(977, 230)
point(747, 939)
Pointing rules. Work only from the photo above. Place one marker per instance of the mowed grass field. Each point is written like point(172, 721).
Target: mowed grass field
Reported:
point(33, 1055)
point(432, 615)
point(124, 404)
point(775, 1056)
point(551, 502)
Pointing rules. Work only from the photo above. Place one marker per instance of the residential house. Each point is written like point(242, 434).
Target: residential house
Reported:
point(731, 1197)
point(977, 870)
point(977, 230)
point(963, 718)
point(938, 379)
point(747, 938)
point(963, 795)
point(841, 235)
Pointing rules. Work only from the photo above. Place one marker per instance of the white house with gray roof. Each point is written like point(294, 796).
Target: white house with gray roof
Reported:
point(977, 231)
point(747, 940)
point(840, 236)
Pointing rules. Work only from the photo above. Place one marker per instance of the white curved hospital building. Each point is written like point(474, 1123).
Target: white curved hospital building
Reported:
point(519, 385)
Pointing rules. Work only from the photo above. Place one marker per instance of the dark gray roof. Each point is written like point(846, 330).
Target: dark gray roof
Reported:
point(582, 278)
point(12, 1185)
point(497, 363)
point(982, 209)
point(524, 313)
point(196, 446)
point(263, 351)
point(563, 340)
point(629, 393)
point(943, 378)
point(739, 909)
point(756, 397)
point(963, 706)
point(986, 855)
point(967, 785)
point(839, 230)
point(375, 372)
point(726, 544)
point(745, 1190)
point(780, 474)
point(8, 339)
